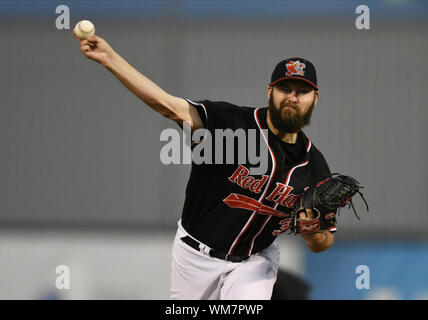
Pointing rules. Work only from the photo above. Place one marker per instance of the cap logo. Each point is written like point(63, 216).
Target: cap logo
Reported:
point(295, 68)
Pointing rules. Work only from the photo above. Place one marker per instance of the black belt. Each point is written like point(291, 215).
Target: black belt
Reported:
point(213, 253)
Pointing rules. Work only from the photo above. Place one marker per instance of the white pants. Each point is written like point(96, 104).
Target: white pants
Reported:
point(198, 276)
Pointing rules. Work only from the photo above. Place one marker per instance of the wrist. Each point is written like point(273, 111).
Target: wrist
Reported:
point(319, 241)
point(111, 59)
point(317, 237)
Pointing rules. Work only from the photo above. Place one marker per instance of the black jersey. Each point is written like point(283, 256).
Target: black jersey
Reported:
point(235, 212)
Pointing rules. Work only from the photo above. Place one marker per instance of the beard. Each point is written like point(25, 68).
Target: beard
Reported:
point(288, 121)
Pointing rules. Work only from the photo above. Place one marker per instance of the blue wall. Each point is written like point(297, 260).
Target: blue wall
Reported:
point(400, 268)
point(233, 9)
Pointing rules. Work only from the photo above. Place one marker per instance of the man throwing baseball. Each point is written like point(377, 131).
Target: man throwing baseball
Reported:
point(225, 244)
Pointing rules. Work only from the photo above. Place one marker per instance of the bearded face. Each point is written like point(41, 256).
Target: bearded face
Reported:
point(288, 116)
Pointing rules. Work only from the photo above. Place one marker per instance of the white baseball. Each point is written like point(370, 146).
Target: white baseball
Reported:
point(84, 29)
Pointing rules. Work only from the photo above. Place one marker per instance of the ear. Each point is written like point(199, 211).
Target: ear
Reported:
point(316, 93)
point(269, 90)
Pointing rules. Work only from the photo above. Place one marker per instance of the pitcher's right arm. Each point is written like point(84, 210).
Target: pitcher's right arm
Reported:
point(174, 108)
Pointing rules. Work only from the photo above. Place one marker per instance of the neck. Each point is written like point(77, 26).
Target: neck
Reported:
point(288, 137)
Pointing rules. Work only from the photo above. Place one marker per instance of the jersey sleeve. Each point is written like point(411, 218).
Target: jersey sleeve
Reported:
point(218, 114)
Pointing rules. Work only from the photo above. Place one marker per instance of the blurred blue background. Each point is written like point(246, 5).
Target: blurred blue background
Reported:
point(230, 9)
point(397, 270)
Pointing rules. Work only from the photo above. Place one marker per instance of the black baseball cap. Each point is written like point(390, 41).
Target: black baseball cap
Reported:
point(295, 68)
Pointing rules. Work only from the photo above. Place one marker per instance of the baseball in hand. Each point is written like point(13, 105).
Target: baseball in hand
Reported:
point(84, 28)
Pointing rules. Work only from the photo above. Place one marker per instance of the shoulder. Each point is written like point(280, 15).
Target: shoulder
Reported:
point(222, 106)
point(222, 114)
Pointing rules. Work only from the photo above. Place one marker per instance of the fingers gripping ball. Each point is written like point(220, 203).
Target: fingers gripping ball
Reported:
point(84, 29)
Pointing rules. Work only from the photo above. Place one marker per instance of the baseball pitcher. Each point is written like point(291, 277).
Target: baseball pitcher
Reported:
point(225, 244)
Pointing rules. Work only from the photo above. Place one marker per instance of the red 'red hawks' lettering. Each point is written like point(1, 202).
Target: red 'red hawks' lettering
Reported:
point(242, 178)
point(285, 225)
point(283, 195)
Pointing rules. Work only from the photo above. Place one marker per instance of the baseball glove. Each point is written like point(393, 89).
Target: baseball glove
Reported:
point(325, 199)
